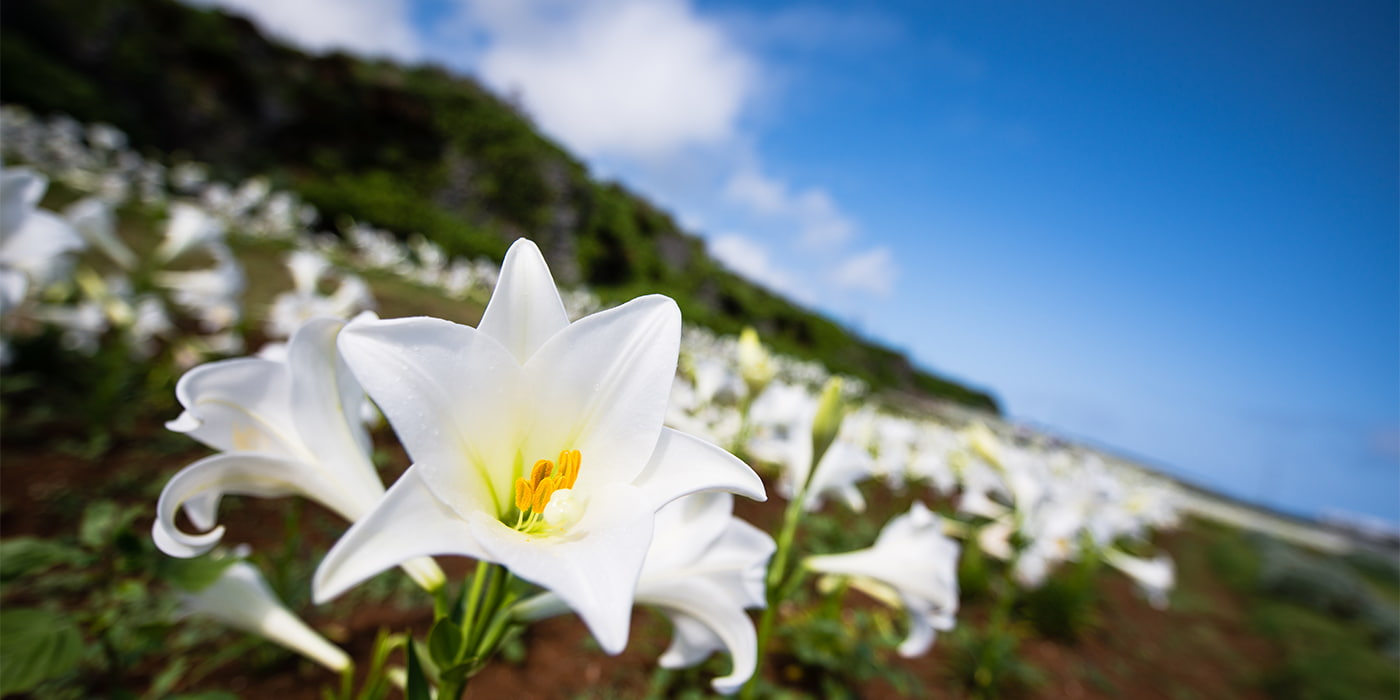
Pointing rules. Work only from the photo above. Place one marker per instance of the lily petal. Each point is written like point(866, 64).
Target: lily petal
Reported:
point(696, 598)
point(21, 189)
point(601, 386)
point(242, 599)
point(744, 551)
point(326, 401)
point(686, 530)
point(691, 642)
point(525, 310)
point(684, 464)
point(408, 523)
point(92, 218)
point(594, 568)
point(921, 636)
point(238, 405)
point(13, 285)
point(448, 390)
point(36, 246)
point(248, 474)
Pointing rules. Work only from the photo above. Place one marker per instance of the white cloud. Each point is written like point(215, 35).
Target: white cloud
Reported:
point(368, 27)
point(873, 271)
point(751, 260)
point(821, 224)
point(616, 77)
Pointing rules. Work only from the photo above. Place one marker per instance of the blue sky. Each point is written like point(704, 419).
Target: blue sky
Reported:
point(1169, 228)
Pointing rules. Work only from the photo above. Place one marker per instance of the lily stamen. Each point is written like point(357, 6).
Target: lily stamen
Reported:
point(546, 478)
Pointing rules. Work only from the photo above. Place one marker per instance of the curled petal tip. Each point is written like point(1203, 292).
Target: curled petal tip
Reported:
point(184, 423)
point(170, 540)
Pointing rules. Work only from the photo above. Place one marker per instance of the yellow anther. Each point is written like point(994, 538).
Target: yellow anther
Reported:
point(541, 470)
point(542, 494)
point(533, 493)
point(524, 494)
point(569, 463)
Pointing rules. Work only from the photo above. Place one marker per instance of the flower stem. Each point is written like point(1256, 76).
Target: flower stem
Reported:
point(774, 588)
point(468, 621)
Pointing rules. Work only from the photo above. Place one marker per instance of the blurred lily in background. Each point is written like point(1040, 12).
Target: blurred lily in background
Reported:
point(912, 566)
point(241, 598)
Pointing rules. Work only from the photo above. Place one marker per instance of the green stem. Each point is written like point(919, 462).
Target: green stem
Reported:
point(774, 588)
point(468, 621)
point(500, 624)
point(290, 552)
point(442, 604)
point(485, 620)
point(741, 440)
point(492, 608)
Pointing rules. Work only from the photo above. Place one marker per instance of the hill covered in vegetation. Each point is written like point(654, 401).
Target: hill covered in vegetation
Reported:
point(410, 149)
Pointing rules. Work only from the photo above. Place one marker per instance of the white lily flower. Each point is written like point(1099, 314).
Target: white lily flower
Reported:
point(82, 324)
point(283, 428)
point(912, 565)
point(840, 473)
point(477, 407)
point(241, 598)
point(212, 295)
point(1155, 577)
point(894, 441)
point(304, 302)
point(306, 267)
point(105, 137)
point(188, 177)
point(149, 321)
point(704, 568)
point(92, 218)
point(784, 415)
point(34, 242)
point(932, 448)
point(189, 227)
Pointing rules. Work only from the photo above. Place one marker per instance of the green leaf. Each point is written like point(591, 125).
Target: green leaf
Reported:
point(460, 672)
point(23, 556)
point(35, 645)
point(444, 641)
point(103, 522)
point(166, 679)
point(417, 685)
point(425, 660)
point(195, 574)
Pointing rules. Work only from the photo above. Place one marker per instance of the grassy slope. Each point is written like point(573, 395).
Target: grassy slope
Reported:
point(408, 149)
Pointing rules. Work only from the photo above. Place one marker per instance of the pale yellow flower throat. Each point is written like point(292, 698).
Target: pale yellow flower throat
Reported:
point(533, 495)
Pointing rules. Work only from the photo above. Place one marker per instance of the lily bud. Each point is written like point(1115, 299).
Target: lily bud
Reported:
point(831, 409)
point(983, 443)
point(754, 363)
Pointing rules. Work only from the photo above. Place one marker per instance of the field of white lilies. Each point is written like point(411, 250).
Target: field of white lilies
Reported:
point(245, 456)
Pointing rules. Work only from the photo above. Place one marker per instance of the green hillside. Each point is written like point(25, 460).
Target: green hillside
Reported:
point(410, 149)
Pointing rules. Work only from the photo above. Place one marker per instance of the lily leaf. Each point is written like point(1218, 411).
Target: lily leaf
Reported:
point(417, 684)
point(444, 642)
point(37, 645)
point(24, 556)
